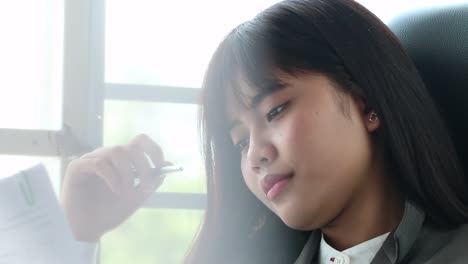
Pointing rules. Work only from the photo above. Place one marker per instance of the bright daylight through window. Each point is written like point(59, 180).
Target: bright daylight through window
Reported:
point(99, 72)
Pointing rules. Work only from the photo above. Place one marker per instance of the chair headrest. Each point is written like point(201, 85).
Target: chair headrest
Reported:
point(436, 38)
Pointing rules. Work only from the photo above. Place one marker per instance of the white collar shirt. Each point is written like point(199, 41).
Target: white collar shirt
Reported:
point(360, 254)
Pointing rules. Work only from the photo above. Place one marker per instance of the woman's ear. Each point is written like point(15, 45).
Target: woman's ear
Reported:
point(372, 121)
point(370, 117)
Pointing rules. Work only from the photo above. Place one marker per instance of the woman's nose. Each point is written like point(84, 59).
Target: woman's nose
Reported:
point(262, 152)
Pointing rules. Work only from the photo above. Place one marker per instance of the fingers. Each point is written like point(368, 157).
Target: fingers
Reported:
point(102, 168)
point(143, 167)
point(106, 171)
point(98, 190)
point(151, 148)
point(126, 171)
point(119, 166)
point(148, 155)
point(131, 165)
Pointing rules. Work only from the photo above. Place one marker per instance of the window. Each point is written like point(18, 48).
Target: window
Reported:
point(31, 66)
point(79, 74)
point(386, 10)
point(168, 42)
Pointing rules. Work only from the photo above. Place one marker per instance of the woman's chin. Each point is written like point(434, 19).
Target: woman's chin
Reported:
point(299, 222)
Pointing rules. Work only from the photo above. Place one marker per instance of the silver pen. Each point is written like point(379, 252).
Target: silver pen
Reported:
point(167, 169)
point(159, 172)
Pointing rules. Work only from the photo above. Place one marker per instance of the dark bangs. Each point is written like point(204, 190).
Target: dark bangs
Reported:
point(277, 40)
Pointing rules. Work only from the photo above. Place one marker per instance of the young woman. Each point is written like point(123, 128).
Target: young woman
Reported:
point(322, 145)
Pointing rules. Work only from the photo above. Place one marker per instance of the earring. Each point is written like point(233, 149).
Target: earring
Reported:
point(373, 117)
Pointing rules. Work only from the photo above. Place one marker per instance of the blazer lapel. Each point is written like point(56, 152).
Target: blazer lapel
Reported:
point(399, 242)
point(310, 250)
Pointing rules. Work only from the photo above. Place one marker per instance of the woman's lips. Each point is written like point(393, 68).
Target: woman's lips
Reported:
point(273, 184)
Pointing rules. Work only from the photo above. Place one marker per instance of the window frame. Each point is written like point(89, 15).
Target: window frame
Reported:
point(84, 94)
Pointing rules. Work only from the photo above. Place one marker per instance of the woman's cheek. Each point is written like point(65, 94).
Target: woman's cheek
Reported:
point(249, 178)
point(295, 133)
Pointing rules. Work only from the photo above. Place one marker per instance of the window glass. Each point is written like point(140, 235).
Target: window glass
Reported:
point(168, 42)
point(31, 64)
point(386, 10)
point(152, 236)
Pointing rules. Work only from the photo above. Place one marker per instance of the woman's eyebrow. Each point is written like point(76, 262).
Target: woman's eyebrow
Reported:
point(273, 88)
point(258, 98)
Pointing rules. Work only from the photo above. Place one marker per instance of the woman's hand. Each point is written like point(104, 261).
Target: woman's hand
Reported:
point(99, 190)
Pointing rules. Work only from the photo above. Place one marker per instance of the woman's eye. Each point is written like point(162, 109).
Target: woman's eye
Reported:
point(242, 144)
point(276, 111)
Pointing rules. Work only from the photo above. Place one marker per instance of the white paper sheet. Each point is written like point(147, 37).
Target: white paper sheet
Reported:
point(33, 228)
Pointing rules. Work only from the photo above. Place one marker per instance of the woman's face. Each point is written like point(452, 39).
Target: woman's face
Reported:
point(305, 148)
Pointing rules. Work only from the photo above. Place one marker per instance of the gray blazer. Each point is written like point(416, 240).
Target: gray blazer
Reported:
point(413, 241)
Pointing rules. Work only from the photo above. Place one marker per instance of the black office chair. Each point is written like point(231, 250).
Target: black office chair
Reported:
point(437, 40)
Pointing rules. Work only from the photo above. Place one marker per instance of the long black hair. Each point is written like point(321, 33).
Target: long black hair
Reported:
point(351, 46)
